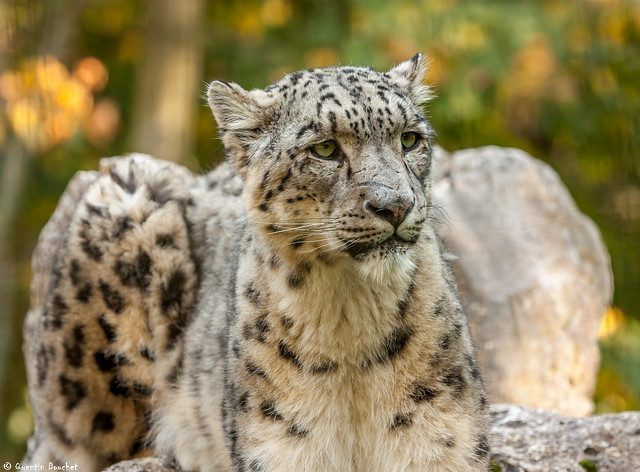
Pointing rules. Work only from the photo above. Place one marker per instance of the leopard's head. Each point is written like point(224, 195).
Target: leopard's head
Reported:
point(335, 161)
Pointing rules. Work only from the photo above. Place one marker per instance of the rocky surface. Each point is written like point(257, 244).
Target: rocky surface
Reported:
point(527, 440)
point(533, 272)
point(148, 464)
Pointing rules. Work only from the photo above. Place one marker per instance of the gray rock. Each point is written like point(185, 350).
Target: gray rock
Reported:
point(148, 464)
point(533, 272)
point(527, 440)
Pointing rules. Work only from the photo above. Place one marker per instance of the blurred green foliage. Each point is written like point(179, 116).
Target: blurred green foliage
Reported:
point(557, 79)
point(589, 466)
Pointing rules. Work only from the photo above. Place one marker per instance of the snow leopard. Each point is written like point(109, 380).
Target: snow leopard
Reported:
point(291, 310)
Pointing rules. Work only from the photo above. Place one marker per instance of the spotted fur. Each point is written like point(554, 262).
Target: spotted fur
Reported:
point(287, 312)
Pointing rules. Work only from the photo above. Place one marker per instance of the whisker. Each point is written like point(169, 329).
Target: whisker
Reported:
point(343, 245)
point(444, 218)
point(302, 222)
point(306, 231)
point(317, 228)
point(328, 244)
point(299, 225)
point(292, 223)
point(318, 240)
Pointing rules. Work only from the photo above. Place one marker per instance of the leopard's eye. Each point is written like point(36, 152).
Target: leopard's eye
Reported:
point(409, 140)
point(325, 149)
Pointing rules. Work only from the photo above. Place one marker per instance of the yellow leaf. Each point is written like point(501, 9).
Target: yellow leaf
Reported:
point(23, 116)
point(438, 71)
point(92, 73)
point(612, 25)
point(10, 86)
point(321, 57)
point(50, 73)
point(275, 12)
point(45, 104)
point(245, 18)
point(469, 36)
point(532, 69)
point(612, 321)
point(603, 81)
point(101, 126)
point(58, 126)
point(400, 48)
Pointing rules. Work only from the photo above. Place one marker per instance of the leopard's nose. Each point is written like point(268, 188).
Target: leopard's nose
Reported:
point(393, 212)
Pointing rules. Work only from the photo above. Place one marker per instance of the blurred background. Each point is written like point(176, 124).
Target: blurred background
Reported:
point(83, 79)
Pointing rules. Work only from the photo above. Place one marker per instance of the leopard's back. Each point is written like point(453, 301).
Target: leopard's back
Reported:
point(109, 325)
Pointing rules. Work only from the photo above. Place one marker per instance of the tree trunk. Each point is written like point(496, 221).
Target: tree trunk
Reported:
point(169, 80)
point(12, 177)
point(57, 31)
point(60, 27)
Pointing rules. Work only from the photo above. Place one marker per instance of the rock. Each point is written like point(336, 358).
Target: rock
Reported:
point(533, 272)
point(541, 441)
point(528, 440)
point(148, 464)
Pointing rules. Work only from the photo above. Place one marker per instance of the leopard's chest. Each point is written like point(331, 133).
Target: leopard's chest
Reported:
point(329, 373)
point(327, 381)
point(347, 420)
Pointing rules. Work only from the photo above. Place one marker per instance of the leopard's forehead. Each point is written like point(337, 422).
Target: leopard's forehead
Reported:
point(357, 84)
point(346, 100)
point(347, 77)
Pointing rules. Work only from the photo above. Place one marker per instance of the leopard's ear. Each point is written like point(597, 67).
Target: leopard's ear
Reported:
point(241, 116)
point(410, 75)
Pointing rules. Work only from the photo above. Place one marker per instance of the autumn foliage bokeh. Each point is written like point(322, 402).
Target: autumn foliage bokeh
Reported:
point(82, 79)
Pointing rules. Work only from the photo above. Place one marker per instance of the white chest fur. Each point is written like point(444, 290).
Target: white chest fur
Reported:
point(329, 364)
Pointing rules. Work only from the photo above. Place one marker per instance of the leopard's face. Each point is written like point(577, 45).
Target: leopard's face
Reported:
point(338, 165)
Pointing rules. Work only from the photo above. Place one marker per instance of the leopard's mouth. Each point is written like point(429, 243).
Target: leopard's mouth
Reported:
point(391, 246)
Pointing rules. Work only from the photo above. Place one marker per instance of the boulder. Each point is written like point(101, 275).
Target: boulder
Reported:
point(533, 272)
point(528, 440)
point(147, 464)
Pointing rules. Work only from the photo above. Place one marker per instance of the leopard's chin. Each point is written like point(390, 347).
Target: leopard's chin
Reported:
point(386, 261)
